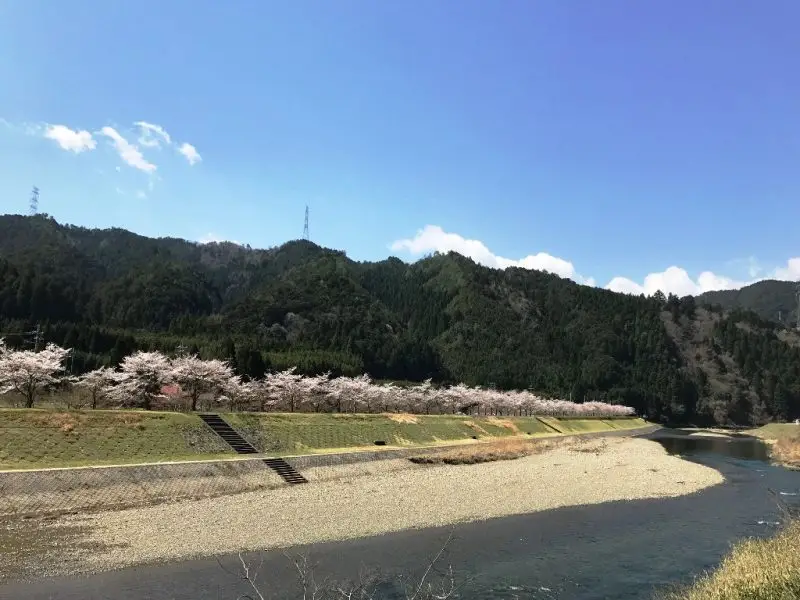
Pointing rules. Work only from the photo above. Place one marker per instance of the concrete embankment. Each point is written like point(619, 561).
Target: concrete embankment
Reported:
point(60, 490)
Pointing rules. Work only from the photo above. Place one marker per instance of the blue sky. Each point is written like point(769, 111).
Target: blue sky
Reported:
point(597, 140)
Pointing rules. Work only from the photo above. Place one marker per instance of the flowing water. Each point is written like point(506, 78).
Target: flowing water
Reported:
point(619, 550)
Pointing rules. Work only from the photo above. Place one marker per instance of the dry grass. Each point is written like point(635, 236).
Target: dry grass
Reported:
point(485, 452)
point(507, 423)
point(754, 570)
point(787, 451)
point(477, 428)
point(403, 418)
point(775, 431)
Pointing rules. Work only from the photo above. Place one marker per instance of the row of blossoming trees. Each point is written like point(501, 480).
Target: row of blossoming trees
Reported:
point(142, 378)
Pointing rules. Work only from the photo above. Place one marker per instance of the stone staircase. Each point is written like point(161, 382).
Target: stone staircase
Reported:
point(219, 426)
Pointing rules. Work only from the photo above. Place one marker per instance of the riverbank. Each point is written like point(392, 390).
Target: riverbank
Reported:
point(754, 570)
point(352, 501)
point(39, 439)
point(784, 439)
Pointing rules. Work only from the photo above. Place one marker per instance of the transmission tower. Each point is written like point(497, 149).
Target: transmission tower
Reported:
point(797, 294)
point(34, 206)
point(305, 227)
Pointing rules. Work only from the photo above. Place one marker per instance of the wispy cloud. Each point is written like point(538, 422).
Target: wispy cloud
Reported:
point(673, 280)
point(70, 139)
point(128, 152)
point(151, 135)
point(190, 152)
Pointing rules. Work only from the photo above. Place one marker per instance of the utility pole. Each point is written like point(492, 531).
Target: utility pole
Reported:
point(37, 336)
point(305, 227)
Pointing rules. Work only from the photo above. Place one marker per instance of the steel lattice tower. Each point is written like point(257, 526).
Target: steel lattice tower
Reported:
point(34, 206)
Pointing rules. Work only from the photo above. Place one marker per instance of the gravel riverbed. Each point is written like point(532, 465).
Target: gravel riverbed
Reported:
point(351, 501)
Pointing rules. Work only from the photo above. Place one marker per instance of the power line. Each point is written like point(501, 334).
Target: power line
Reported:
point(36, 334)
point(37, 337)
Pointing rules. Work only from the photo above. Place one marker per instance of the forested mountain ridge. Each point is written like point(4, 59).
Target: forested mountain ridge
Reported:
point(109, 292)
point(770, 299)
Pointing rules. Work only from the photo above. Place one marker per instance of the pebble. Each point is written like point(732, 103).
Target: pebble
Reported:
point(351, 501)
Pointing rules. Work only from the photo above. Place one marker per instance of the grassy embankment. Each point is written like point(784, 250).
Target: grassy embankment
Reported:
point(785, 441)
point(32, 439)
point(754, 570)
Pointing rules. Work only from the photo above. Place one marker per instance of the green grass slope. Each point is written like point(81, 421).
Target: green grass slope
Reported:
point(36, 438)
point(277, 433)
point(31, 439)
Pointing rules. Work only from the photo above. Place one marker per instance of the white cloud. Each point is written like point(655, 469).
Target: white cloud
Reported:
point(677, 281)
point(433, 238)
point(791, 272)
point(213, 238)
point(69, 139)
point(673, 280)
point(151, 136)
point(128, 152)
point(190, 152)
point(141, 194)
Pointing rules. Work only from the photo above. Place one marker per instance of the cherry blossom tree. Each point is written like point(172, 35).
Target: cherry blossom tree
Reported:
point(140, 378)
point(362, 392)
point(246, 394)
point(291, 388)
point(27, 372)
point(196, 376)
point(315, 390)
point(96, 384)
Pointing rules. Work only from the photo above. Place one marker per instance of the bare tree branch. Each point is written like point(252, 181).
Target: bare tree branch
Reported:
point(365, 589)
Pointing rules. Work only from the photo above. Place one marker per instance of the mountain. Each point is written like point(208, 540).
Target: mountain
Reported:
point(109, 292)
point(770, 299)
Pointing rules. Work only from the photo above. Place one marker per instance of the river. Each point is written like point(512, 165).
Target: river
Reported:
point(622, 550)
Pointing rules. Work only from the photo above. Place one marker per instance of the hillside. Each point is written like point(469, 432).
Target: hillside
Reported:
point(772, 300)
point(109, 292)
